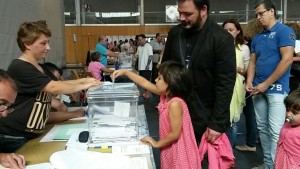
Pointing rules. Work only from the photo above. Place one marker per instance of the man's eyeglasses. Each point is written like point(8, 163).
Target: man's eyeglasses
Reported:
point(261, 13)
point(9, 108)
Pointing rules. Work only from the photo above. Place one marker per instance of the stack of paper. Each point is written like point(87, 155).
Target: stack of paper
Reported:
point(108, 128)
point(77, 159)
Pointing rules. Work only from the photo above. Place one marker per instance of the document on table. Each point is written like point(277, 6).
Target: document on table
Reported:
point(40, 166)
point(35, 166)
point(138, 163)
point(63, 132)
point(88, 159)
point(73, 142)
point(131, 149)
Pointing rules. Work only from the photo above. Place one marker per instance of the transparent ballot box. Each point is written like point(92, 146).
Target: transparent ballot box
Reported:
point(125, 60)
point(113, 114)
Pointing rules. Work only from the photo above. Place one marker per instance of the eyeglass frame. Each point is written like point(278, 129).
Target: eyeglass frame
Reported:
point(261, 13)
point(7, 108)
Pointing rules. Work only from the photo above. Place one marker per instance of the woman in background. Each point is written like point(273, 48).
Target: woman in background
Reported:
point(242, 61)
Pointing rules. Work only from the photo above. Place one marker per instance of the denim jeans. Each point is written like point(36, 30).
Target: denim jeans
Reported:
point(270, 116)
point(232, 133)
point(9, 144)
point(250, 122)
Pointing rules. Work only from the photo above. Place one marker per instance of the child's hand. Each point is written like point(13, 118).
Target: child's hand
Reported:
point(117, 73)
point(149, 140)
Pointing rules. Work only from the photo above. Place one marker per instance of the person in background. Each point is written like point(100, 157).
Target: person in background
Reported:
point(157, 48)
point(8, 93)
point(35, 88)
point(125, 46)
point(252, 28)
point(115, 48)
point(110, 46)
point(59, 111)
point(288, 147)
point(101, 48)
point(176, 135)
point(242, 60)
point(144, 55)
point(268, 76)
point(295, 70)
point(160, 57)
point(209, 53)
point(96, 67)
point(131, 51)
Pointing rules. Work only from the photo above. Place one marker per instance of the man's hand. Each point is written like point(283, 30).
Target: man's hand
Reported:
point(12, 160)
point(211, 135)
point(260, 88)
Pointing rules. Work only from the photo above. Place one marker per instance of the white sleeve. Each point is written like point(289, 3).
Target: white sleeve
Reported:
point(246, 55)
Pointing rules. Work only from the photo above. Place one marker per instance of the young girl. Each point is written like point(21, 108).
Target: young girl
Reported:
point(96, 67)
point(177, 140)
point(288, 146)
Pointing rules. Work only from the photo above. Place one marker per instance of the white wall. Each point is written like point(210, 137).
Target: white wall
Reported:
point(15, 12)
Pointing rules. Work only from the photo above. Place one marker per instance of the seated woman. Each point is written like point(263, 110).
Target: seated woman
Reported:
point(35, 88)
point(96, 67)
point(59, 111)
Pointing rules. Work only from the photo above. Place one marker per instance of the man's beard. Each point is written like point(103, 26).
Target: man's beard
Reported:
point(194, 26)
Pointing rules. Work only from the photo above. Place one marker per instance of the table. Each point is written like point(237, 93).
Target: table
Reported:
point(39, 152)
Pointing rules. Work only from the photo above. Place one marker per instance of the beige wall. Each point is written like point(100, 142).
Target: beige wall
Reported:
point(14, 12)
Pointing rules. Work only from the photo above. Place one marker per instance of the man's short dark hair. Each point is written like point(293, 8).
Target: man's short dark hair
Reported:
point(143, 36)
point(157, 35)
point(5, 77)
point(52, 67)
point(268, 4)
point(198, 3)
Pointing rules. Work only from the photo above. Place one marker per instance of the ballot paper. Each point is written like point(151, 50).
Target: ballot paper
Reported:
point(131, 149)
point(74, 159)
point(109, 128)
point(121, 109)
point(40, 166)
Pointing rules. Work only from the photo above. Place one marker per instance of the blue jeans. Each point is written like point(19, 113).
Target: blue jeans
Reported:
point(250, 122)
point(232, 132)
point(9, 144)
point(270, 116)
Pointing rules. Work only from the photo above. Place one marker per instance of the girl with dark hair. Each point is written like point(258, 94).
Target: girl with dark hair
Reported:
point(177, 140)
point(96, 67)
